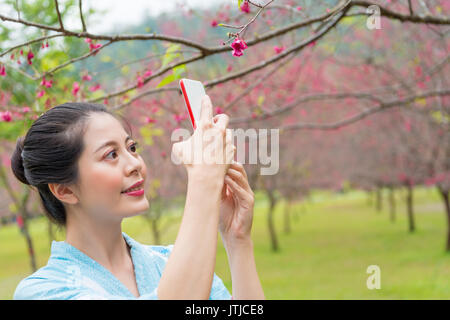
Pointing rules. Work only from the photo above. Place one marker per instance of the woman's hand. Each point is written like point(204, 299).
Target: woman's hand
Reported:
point(208, 153)
point(236, 208)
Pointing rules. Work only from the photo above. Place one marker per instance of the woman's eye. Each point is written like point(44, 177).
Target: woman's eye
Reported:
point(112, 152)
point(133, 148)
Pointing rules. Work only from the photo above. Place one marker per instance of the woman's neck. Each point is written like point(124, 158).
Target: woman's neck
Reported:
point(100, 240)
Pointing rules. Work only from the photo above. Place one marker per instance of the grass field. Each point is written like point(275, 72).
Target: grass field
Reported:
point(334, 238)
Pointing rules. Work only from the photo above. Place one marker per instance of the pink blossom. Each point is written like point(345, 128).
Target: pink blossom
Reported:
point(105, 101)
point(19, 221)
point(229, 68)
point(46, 83)
point(86, 77)
point(177, 118)
point(40, 93)
point(2, 71)
point(30, 56)
point(76, 88)
point(12, 56)
point(299, 8)
point(88, 40)
point(214, 23)
point(155, 109)
point(140, 82)
point(149, 120)
point(163, 154)
point(148, 73)
point(279, 49)
point(94, 87)
point(238, 46)
point(245, 7)
point(26, 109)
point(6, 116)
point(218, 110)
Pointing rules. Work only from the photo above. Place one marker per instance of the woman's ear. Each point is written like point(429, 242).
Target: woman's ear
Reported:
point(63, 193)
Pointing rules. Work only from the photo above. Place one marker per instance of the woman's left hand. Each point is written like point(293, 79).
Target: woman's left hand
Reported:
point(236, 207)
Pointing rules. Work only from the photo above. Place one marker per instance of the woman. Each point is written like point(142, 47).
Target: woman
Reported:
point(83, 163)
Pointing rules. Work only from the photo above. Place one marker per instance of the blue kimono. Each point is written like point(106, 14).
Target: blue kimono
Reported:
point(71, 274)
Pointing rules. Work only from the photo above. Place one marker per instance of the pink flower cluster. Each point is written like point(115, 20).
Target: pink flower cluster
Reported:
point(5, 116)
point(46, 83)
point(92, 45)
point(30, 56)
point(238, 46)
point(245, 7)
point(279, 49)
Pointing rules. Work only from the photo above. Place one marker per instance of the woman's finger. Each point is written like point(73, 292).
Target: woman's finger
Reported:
point(239, 167)
point(237, 189)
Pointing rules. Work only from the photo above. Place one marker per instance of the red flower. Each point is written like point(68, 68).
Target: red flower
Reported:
point(148, 73)
point(94, 88)
point(40, 93)
point(30, 56)
point(75, 89)
point(245, 7)
point(238, 46)
point(149, 120)
point(46, 83)
point(6, 116)
point(86, 77)
point(279, 49)
point(140, 82)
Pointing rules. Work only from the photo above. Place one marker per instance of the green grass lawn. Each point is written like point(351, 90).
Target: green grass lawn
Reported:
point(334, 238)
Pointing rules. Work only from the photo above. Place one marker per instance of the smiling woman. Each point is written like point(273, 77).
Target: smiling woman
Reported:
point(86, 169)
point(89, 176)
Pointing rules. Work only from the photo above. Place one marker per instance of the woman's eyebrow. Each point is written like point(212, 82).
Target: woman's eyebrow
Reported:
point(110, 143)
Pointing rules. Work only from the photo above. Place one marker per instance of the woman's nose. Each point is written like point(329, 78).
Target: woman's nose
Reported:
point(133, 163)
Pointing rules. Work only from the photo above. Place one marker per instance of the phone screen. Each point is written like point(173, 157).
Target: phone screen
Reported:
point(193, 92)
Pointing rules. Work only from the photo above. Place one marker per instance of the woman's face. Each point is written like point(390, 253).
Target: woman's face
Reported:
point(109, 165)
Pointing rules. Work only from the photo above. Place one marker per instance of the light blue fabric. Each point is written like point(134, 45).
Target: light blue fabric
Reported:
point(71, 274)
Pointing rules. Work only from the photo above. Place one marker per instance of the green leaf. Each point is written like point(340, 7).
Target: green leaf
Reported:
point(239, 4)
point(176, 74)
point(170, 55)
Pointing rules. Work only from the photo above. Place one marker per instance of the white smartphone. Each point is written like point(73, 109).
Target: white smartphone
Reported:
point(193, 92)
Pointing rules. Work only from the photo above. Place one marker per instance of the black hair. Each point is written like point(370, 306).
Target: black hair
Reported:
point(50, 151)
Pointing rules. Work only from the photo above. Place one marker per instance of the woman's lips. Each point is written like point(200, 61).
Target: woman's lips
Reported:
point(135, 193)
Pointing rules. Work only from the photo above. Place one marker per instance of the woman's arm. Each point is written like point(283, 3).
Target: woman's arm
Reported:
point(189, 271)
point(246, 284)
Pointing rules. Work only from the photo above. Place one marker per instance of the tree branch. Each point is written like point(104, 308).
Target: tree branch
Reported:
point(364, 114)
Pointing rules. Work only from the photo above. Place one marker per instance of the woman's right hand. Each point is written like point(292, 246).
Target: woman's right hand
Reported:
point(209, 151)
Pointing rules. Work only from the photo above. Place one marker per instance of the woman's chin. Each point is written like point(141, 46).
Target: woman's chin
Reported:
point(137, 208)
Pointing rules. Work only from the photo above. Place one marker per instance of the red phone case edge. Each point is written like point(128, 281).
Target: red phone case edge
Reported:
point(191, 115)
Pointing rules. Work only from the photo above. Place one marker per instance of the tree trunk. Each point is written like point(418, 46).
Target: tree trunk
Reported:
point(409, 204)
point(28, 240)
point(392, 204)
point(445, 197)
point(272, 232)
point(379, 200)
point(369, 198)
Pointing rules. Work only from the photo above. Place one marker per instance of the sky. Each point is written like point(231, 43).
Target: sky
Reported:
point(120, 12)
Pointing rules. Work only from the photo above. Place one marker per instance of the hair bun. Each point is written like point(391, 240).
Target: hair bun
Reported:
point(17, 161)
